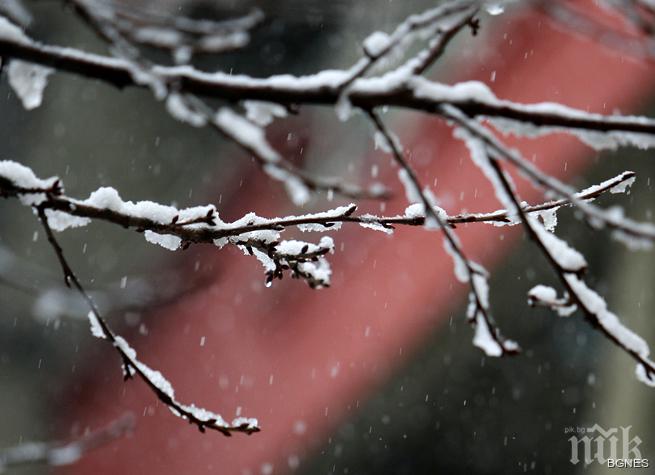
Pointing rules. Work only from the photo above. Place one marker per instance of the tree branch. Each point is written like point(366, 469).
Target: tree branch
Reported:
point(399, 90)
point(58, 454)
point(567, 263)
point(201, 418)
point(174, 228)
point(488, 337)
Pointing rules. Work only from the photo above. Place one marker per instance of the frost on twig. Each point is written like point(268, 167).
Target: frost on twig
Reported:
point(58, 454)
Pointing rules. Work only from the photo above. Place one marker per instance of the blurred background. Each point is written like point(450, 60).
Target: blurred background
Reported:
point(376, 374)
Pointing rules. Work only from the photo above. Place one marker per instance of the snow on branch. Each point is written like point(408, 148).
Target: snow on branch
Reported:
point(487, 335)
point(58, 454)
point(402, 87)
point(399, 87)
point(634, 234)
point(203, 419)
point(29, 81)
point(174, 228)
point(567, 262)
point(633, 36)
point(436, 24)
point(543, 295)
point(387, 75)
point(181, 36)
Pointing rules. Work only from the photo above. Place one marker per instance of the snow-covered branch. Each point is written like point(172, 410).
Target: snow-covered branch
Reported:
point(182, 86)
point(174, 228)
point(57, 453)
point(634, 36)
point(202, 418)
point(387, 75)
point(439, 24)
point(634, 234)
point(487, 335)
point(399, 88)
point(181, 36)
point(567, 262)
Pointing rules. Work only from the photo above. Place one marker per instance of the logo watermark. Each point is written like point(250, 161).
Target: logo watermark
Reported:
point(613, 447)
